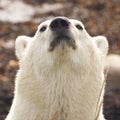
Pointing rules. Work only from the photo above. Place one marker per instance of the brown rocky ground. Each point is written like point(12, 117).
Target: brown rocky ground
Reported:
point(99, 17)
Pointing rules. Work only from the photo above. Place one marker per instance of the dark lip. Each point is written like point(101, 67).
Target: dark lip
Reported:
point(62, 38)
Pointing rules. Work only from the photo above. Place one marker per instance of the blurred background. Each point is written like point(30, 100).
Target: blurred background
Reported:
point(21, 17)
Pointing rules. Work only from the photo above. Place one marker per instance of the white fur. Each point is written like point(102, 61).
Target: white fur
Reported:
point(20, 45)
point(58, 85)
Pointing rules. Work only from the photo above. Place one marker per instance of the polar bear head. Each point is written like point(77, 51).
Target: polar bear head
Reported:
point(61, 38)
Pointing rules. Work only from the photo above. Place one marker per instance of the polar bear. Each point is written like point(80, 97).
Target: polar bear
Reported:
point(61, 73)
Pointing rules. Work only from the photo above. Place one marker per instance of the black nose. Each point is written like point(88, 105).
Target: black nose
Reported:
point(59, 24)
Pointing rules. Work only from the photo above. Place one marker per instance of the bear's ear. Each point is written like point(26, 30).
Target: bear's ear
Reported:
point(20, 45)
point(102, 44)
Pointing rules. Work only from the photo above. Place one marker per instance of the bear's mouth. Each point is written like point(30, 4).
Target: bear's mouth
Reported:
point(63, 41)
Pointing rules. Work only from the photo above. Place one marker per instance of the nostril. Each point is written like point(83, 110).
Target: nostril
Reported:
point(59, 23)
point(63, 23)
point(54, 24)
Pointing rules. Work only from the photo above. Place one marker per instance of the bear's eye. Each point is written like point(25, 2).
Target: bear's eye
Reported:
point(79, 27)
point(42, 29)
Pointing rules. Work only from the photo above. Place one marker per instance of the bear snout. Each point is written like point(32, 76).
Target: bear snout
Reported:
point(64, 41)
point(59, 24)
point(60, 29)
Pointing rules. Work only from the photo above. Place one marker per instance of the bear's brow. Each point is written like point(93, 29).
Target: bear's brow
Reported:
point(43, 20)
